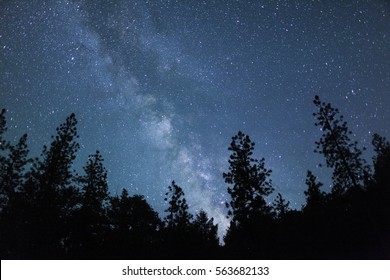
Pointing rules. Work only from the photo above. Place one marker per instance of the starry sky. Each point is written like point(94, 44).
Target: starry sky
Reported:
point(160, 87)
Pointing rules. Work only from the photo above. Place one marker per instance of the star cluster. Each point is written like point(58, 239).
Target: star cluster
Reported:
point(160, 87)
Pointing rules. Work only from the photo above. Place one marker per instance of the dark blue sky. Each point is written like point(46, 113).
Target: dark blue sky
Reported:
point(160, 87)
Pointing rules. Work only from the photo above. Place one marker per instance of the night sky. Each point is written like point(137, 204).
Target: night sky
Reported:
point(160, 87)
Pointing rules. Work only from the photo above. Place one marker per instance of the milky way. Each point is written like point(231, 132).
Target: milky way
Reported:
point(160, 87)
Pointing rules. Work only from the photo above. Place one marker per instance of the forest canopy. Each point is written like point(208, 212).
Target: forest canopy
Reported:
point(49, 211)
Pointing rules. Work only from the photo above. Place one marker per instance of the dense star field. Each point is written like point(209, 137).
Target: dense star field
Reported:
point(160, 87)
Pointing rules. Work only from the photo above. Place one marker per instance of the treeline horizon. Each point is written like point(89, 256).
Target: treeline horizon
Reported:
point(48, 211)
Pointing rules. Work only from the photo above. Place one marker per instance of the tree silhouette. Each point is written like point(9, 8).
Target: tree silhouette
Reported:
point(3, 129)
point(315, 198)
point(280, 206)
point(178, 215)
point(205, 228)
point(48, 197)
point(90, 222)
point(13, 173)
point(177, 236)
point(381, 160)
point(94, 184)
point(249, 179)
point(341, 154)
point(4, 169)
point(13, 170)
point(135, 227)
point(47, 211)
point(251, 218)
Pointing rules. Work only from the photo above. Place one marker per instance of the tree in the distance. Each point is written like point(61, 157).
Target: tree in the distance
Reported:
point(13, 170)
point(135, 227)
point(381, 160)
point(94, 184)
point(177, 211)
point(251, 225)
point(45, 201)
point(204, 237)
point(315, 197)
point(341, 154)
point(3, 129)
point(248, 181)
point(205, 228)
point(177, 235)
point(89, 221)
point(280, 206)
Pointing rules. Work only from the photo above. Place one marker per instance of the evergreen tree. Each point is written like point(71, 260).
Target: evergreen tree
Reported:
point(46, 201)
point(132, 214)
point(55, 169)
point(13, 170)
point(94, 184)
point(203, 237)
point(135, 227)
point(315, 198)
point(13, 163)
point(3, 161)
point(90, 222)
point(3, 129)
point(177, 237)
point(381, 160)
point(249, 179)
point(178, 215)
point(205, 229)
point(280, 206)
point(252, 223)
point(341, 154)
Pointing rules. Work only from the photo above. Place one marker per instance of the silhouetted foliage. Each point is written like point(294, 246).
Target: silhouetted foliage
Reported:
point(45, 200)
point(178, 215)
point(206, 229)
point(89, 221)
point(250, 180)
point(280, 206)
point(251, 216)
point(47, 211)
point(341, 154)
point(3, 129)
point(13, 170)
point(381, 160)
point(205, 236)
point(178, 224)
point(135, 227)
point(315, 198)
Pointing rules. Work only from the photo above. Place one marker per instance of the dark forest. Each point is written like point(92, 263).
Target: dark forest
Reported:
point(49, 211)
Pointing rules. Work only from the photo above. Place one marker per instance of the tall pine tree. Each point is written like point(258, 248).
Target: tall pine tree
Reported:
point(248, 181)
point(177, 211)
point(47, 199)
point(90, 222)
point(315, 197)
point(340, 152)
point(381, 160)
point(252, 220)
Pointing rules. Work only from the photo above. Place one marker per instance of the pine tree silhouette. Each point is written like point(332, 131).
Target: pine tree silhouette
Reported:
point(341, 154)
point(249, 179)
point(46, 201)
point(89, 222)
point(280, 206)
point(249, 234)
point(13, 170)
point(178, 215)
point(315, 198)
point(177, 236)
point(135, 228)
point(381, 160)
